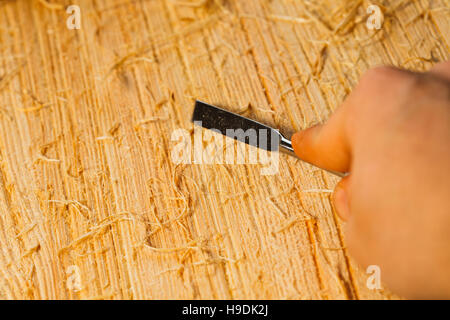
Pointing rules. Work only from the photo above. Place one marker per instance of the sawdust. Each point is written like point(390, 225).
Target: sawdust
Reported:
point(288, 224)
point(348, 19)
point(75, 203)
point(31, 250)
point(104, 196)
point(151, 120)
point(43, 158)
point(95, 231)
point(51, 5)
point(277, 208)
point(26, 230)
point(317, 191)
point(6, 78)
point(192, 4)
point(290, 19)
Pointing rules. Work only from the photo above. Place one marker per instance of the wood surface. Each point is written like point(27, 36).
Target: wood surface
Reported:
point(88, 191)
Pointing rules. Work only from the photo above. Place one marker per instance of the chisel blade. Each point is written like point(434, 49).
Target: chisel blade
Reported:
point(236, 126)
point(243, 129)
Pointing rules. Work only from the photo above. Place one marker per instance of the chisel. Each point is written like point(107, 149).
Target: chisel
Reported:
point(243, 129)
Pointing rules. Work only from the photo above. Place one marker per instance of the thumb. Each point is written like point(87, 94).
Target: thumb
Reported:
point(325, 146)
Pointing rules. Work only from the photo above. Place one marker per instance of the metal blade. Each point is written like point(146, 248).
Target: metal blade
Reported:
point(243, 129)
point(236, 126)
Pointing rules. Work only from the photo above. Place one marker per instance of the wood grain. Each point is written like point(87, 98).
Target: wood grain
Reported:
point(87, 184)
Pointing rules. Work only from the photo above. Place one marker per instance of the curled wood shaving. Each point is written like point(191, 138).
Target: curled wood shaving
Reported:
point(51, 5)
point(289, 223)
point(290, 19)
point(41, 157)
point(317, 191)
point(32, 250)
point(192, 4)
point(96, 230)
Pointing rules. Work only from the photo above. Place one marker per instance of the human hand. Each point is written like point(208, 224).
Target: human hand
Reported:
point(393, 135)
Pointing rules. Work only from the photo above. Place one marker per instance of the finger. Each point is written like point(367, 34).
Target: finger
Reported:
point(330, 146)
point(325, 146)
point(442, 70)
point(341, 197)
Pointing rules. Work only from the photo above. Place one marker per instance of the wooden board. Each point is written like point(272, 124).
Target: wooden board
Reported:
point(91, 205)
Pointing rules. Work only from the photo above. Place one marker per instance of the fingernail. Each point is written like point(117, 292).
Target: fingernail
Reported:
point(340, 200)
